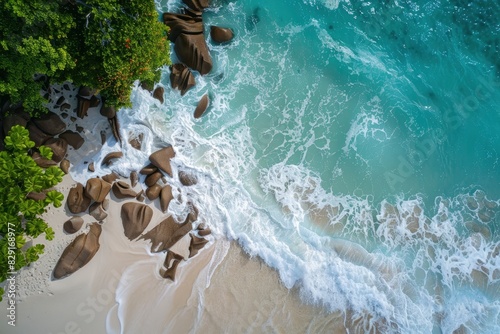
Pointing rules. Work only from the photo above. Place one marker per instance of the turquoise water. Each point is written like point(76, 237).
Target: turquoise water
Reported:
point(354, 147)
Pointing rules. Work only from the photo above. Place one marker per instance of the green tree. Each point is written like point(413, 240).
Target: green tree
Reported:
point(104, 44)
point(20, 219)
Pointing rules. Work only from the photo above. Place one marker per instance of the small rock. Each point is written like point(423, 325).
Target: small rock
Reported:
point(149, 169)
point(221, 35)
point(97, 211)
point(122, 190)
point(165, 197)
point(91, 167)
point(134, 178)
point(108, 111)
point(158, 93)
point(153, 178)
point(73, 225)
point(42, 162)
point(74, 139)
point(113, 155)
point(153, 192)
point(59, 148)
point(201, 107)
point(196, 244)
point(110, 178)
point(187, 179)
point(64, 165)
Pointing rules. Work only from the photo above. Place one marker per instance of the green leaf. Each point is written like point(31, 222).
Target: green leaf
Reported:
point(55, 197)
point(45, 152)
point(49, 233)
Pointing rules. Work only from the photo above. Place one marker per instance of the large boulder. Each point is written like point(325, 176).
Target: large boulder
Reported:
point(97, 189)
point(122, 190)
point(197, 5)
point(165, 197)
point(161, 159)
point(50, 123)
point(202, 106)
point(181, 78)
point(79, 252)
point(192, 50)
point(37, 135)
point(164, 235)
point(73, 225)
point(73, 138)
point(59, 148)
point(135, 219)
point(221, 35)
point(77, 200)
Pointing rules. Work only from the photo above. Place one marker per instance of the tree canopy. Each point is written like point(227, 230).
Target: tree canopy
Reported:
point(104, 44)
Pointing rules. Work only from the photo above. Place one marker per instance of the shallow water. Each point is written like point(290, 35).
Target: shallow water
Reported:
point(354, 147)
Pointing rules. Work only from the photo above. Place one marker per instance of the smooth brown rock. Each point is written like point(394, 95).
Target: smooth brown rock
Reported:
point(204, 232)
point(196, 244)
point(105, 204)
point(83, 108)
point(165, 197)
point(202, 106)
point(108, 111)
point(97, 189)
point(110, 178)
point(166, 234)
point(91, 167)
point(135, 219)
point(42, 162)
point(36, 196)
point(153, 192)
point(76, 200)
point(136, 142)
point(73, 225)
point(153, 178)
point(122, 190)
point(170, 264)
point(198, 5)
point(181, 78)
point(110, 156)
point(192, 50)
point(115, 128)
point(221, 35)
point(97, 211)
point(64, 165)
point(193, 213)
point(79, 252)
point(187, 179)
point(37, 135)
point(50, 123)
point(134, 178)
point(73, 138)
point(161, 159)
point(59, 148)
point(149, 169)
point(158, 93)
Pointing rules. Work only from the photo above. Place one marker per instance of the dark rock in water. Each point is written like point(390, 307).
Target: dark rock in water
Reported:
point(153, 192)
point(85, 92)
point(73, 225)
point(103, 137)
point(196, 244)
point(36, 196)
point(74, 139)
point(161, 159)
point(192, 50)
point(158, 93)
point(94, 101)
point(153, 178)
point(187, 179)
point(115, 128)
point(181, 78)
point(193, 213)
point(166, 234)
point(79, 252)
point(65, 106)
point(122, 190)
point(59, 148)
point(50, 123)
point(149, 169)
point(165, 197)
point(76, 199)
point(170, 264)
point(97, 189)
point(197, 5)
point(113, 155)
point(110, 178)
point(135, 219)
point(221, 35)
point(204, 232)
point(37, 135)
point(201, 107)
point(97, 211)
point(83, 108)
point(64, 165)
point(136, 142)
point(91, 167)
point(108, 111)
point(42, 162)
point(134, 178)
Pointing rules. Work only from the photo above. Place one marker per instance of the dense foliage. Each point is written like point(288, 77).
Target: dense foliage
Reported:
point(20, 220)
point(104, 44)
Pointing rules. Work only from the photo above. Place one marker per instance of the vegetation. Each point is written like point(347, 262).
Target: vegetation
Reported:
point(20, 220)
point(103, 44)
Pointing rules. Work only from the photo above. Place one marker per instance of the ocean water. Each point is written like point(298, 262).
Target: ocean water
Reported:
point(354, 147)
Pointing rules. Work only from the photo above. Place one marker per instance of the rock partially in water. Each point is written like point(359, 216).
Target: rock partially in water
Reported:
point(158, 93)
point(110, 156)
point(181, 78)
point(135, 219)
point(164, 235)
point(187, 179)
point(202, 106)
point(196, 244)
point(170, 264)
point(165, 197)
point(161, 159)
point(221, 35)
point(78, 253)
